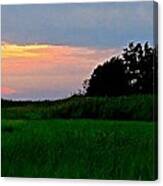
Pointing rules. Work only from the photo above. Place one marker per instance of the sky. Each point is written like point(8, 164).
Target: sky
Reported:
point(49, 50)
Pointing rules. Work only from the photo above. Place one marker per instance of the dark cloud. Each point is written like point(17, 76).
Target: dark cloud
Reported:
point(91, 24)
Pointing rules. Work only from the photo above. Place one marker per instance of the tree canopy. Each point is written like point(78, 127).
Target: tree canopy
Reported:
point(132, 72)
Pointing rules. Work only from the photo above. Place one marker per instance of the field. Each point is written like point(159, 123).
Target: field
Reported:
point(93, 148)
point(136, 107)
point(78, 149)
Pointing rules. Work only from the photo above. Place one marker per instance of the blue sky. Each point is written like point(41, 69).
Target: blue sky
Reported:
point(92, 24)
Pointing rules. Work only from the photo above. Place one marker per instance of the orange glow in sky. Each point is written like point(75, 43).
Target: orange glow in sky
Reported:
point(7, 90)
point(41, 71)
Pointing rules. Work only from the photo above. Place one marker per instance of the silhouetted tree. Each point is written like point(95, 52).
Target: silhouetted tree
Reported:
point(141, 65)
point(108, 79)
point(134, 72)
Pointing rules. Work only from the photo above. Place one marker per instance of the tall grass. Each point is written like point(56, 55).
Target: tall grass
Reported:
point(79, 149)
point(138, 107)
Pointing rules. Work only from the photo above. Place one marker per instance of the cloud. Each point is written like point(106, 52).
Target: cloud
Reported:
point(21, 51)
point(86, 24)
point(49, 70)
point(7, 91)
point(27, 59)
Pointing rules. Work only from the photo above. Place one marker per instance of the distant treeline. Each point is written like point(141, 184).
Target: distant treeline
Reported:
point(19, 103)
point(135, 107)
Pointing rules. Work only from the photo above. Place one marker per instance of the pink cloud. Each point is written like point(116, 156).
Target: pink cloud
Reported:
point(7, 90)
point(48, 68)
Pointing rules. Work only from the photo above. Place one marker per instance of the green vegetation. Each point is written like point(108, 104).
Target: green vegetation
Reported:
point(94, 149)
point(85, 142)
point(135, 107)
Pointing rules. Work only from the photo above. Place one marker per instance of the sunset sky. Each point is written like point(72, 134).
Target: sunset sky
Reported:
point(48, 50)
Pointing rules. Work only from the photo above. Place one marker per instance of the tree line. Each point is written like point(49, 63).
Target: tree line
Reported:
point(132, 72)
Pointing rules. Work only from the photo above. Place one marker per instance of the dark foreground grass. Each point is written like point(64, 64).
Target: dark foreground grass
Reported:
point(135, 107)
point(93, 149)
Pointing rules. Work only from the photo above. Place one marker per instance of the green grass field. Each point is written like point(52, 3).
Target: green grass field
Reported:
point(135, 107)
point(82, 148)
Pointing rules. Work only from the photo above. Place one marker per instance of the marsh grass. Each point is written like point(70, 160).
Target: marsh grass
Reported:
point(81, 137)
point(93, 149)
point(138, 107)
